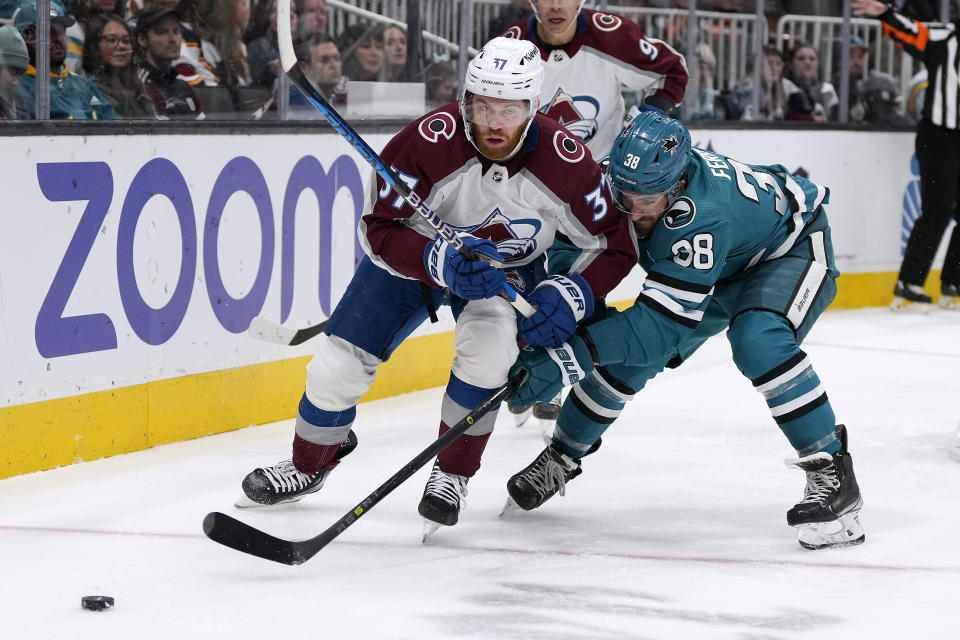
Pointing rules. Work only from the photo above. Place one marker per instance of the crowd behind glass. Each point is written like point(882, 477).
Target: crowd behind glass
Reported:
point(195, 59)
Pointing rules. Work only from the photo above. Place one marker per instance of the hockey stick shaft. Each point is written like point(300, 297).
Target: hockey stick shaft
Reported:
point(288, 60)
point(269, 331)
point(238, 535)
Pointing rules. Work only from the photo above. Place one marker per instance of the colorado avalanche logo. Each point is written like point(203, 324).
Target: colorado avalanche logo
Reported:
point(512, 32)
point(438, 125)
point(570, 149)
point(606, 22)
point(515, 239)
point(576, 113)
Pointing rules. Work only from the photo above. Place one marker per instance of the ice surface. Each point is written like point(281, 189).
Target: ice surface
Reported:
point(676, 529)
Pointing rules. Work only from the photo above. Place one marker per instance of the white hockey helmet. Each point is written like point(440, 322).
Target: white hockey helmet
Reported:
point(504, 68)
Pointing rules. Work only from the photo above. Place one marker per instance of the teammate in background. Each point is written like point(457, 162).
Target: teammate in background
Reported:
point(726, 245)
point(938, 152)
point(588, 58)
point(510, 181)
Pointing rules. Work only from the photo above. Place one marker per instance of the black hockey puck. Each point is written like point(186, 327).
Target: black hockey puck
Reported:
point(96, 603)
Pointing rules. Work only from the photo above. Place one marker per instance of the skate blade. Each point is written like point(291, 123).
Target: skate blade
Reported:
point(902, 305)
point(509, 507)
point(429, 528)
point(845, 531)
point(950, 303)
point(243, 502)
point(520, 419)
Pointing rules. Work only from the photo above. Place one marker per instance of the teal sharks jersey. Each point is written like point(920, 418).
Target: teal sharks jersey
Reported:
point(731, 217)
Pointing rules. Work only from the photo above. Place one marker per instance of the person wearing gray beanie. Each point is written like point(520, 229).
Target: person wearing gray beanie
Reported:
point(14, 61)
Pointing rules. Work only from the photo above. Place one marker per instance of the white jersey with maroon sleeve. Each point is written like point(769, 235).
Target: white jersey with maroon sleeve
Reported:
point(583, 79)
point(551, 186)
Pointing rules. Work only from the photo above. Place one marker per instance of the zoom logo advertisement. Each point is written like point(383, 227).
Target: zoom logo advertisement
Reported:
point(60, 333)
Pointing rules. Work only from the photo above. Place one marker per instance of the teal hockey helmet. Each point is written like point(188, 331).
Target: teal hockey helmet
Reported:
point(649, 156)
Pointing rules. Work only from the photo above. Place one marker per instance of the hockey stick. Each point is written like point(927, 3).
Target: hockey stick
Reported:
point(238, 535)
point(269, 331)
point(288, 59)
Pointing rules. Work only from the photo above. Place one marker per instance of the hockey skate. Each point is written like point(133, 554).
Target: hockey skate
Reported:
point(829, 513)
point(547, 475)
point(910, 298)
point(949, 297)
point(283, 482)
point(443, 497)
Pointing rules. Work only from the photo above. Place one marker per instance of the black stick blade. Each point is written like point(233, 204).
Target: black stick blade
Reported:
point(232, 533)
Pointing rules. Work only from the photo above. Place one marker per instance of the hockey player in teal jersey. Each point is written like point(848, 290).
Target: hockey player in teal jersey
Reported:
point(725, 245)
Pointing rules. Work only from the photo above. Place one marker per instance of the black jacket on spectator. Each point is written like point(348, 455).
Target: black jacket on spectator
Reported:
point(172, 97)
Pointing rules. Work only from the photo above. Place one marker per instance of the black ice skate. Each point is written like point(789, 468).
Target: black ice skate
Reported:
point(828, 514)
point(547, 475)
point(910, 297)
point(442, 499)
point(283, 483)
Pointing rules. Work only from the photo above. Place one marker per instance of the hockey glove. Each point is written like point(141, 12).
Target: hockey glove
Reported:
point(549, 370)
point(561, 302)
point(468, 279)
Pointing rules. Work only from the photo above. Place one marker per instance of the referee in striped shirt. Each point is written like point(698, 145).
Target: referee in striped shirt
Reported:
point(938, 153)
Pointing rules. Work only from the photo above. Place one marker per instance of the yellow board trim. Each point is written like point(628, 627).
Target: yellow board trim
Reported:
point(45, 435)
point(49, 434)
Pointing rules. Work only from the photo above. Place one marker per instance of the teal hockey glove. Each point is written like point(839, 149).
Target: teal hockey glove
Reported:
point(549, 370)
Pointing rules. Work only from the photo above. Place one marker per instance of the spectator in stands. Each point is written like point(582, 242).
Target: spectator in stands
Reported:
point(263, 55)
point(159, 42)
point(858, 73)
point(71, 96)
point(808, 97)
point(108, 62)
point(193, 68)
point(881, 98)
point(773, 101)
point(313, 19)
point(516, 10)
point(83, 11)
point(874, 95)
point(395, 54)
point(320, 61)
point(220, 25)
point(361, 46)
point(14, 60)
point(441, 84)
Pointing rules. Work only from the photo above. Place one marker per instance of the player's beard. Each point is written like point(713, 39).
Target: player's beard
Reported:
point(486, 139)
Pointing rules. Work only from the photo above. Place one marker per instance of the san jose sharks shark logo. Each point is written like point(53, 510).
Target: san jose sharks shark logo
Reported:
point(515, 239)
point(576, 113)
point(670, 144)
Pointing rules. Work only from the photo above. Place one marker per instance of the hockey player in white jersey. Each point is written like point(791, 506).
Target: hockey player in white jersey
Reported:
point(510, 180)
point(589, 57)
point(725, 245)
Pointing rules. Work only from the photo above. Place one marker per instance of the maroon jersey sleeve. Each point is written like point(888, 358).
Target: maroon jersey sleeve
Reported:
point(424, 152)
